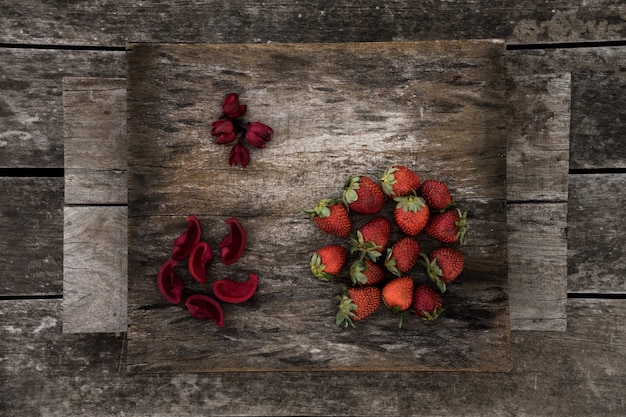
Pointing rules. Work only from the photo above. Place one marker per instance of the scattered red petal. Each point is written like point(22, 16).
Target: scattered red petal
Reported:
point(200, 259)
point(235, 292)
point(169, 283)
point(186, 241)
point(233, 243)
point(204, 307)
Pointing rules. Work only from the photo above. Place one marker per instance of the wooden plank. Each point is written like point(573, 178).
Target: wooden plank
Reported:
point(597, 104)
point(46, 372)
point(333, 116)
point(599, 118)
point(244, 21)
point(538, 109)
point(596, 228)
point(95, 269)
point(31, 226)
point(31, 122)
point(537, 245)
point(94, 119)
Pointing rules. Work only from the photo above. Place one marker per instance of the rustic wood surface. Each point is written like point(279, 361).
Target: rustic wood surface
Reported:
point(83, 374)
point(435, 106)
point(95, 148)
point(579, 372)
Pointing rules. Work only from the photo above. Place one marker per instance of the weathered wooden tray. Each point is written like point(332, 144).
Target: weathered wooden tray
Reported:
point(337, 110)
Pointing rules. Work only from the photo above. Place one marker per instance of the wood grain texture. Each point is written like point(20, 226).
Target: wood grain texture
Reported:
point(597, 106)
point(578, 373)
point(95, 269)
point(596, 252)
point(31, 103)
point(358, 110)
point(211, 21)
point(599, 118)
point(538, 110)
point(31, 226)
point(95, 149)
point(537, 245)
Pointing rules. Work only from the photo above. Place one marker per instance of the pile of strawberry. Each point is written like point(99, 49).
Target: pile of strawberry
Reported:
point(382, 272)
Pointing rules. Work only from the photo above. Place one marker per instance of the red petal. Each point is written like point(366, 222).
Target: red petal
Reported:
point(234, 292)
point(169, 283)
point(204, 307)
point(186, 241)
point(200, 259)
point(233, 243)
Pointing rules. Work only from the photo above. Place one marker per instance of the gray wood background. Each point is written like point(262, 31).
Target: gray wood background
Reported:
point(552, 46)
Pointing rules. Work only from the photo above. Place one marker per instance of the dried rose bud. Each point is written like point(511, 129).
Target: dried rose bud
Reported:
point(258, 133)
point(239, 154)
point(231, 106)
point(224, 130)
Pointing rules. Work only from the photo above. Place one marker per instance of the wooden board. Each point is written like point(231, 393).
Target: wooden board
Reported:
point(596, 250)
point(115, 23)
point(31, 225)
point(337, 109)
point(95, 154)
point(50, 373)
point(538, 109)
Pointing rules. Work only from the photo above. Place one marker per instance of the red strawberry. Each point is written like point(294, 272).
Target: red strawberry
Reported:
point(402, 256)
point(444, 265)
point(362, 195)
point(373, 238)
point(448, 227)
point(399, 180)
point(366, 272)
point(397, 295)
point(327, 261)
point(331, 216)
point(427, 303)
point(356, 304)
point(436, 194)
point(411, 214)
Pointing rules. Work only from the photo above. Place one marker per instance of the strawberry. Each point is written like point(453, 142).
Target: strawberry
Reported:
point(402, 256)
point(362, 195)
point(444, 265)
point(327, 261)
point(397, 295)
point(331, 216)
point(411, 214)
point(373, 238)
point(427, 303)
point(357, 303)
point(365, 272)
point(436, 194)
point(399, 180)
point(448, 227)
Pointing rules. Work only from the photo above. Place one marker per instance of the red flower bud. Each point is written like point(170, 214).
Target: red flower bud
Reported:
point(239, 154)
point(258, 133)
point(224, 130)
point(231, 106)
